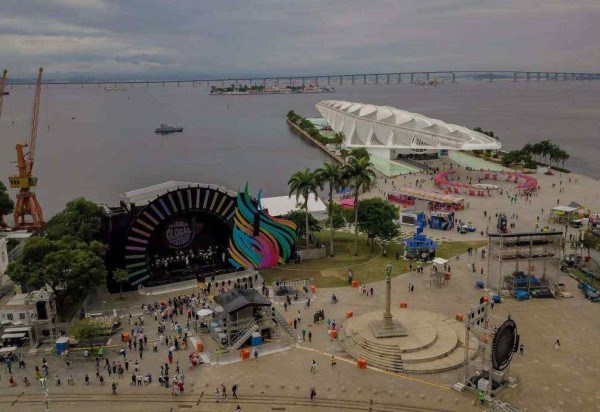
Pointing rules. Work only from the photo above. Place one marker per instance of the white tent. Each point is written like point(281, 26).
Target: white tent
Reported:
point(440, 261)
point(281, 205)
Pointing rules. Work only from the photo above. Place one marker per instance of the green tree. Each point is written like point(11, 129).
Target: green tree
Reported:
point(28, 270)
point(359, 173)
point(330, 175)
point(299, 218)
point(338, 220)
point(6, 204)
point(98, 248)
point(59, 265)
point(306, 124)
point(303, 184)
point(88, 330)
point(120, 276)
point(85, 272)
point(80, 219)
point(590, 241)
point(376, 218)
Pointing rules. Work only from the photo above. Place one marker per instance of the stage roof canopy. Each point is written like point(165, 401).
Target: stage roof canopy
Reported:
point(384, 127)
point(143, 196)
point(237, 299)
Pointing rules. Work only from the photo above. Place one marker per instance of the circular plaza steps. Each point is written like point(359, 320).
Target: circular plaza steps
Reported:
point(434, 343)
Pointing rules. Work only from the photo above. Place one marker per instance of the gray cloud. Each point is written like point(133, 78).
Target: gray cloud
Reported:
point(247, 37)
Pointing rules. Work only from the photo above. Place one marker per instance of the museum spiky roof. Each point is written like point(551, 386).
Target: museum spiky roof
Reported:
point(371, 126)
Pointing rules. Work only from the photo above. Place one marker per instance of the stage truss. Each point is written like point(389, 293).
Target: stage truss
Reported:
point(483, 325)
point(526, 262)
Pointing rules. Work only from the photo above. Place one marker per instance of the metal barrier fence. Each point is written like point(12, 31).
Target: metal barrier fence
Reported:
point(190, 284)
point(224, 358)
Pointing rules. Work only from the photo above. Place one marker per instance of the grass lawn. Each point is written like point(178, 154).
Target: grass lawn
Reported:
point(579, 275)
point(367, 266)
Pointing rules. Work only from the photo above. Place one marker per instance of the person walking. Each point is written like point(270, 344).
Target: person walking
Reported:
point(170, 357)
point(313, 393)
point(114, 388)
point(557, 344)
point(313, 366)
point(309, 337)
point(521, 349)
point(255, 354)
point(333, 362)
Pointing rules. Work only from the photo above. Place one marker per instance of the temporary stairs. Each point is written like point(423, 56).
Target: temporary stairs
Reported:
point(244, 336)
point(283, 323)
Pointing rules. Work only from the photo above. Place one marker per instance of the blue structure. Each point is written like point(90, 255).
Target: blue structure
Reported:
point(419, 247)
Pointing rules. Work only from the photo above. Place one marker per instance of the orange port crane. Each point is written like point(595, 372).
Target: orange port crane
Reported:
point(27, 203)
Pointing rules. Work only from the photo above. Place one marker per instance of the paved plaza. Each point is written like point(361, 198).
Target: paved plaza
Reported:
point(550, 379)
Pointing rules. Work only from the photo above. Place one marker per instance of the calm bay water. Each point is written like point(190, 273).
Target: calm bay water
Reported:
point(110, 145)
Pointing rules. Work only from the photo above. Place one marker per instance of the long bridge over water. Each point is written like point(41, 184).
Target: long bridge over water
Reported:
point(348, 79)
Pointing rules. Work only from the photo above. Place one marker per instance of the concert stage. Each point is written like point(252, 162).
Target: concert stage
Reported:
point(177, 231)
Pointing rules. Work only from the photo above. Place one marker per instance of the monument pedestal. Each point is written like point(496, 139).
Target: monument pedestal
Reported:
point(387, 328)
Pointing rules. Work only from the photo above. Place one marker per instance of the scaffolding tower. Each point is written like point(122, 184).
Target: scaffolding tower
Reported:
point(479, 373)
point(525, 264)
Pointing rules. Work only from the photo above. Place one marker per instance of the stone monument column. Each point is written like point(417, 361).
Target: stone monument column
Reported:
point(387, 314)
point(387, 327)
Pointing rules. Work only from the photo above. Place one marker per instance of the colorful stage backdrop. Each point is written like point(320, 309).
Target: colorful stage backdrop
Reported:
point(259, 240)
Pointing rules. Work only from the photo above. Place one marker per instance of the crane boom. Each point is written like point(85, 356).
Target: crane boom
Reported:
point(2, 85)
point(28, 212)
point(30, 157)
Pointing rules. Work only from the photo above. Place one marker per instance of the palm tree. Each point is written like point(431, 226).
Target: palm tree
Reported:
point(553, 154)
point(338, 138)
point(528, 149)
point(361, 176)
point(344, 153)
point(303, 184)
point(545, 148)
point(564, 156)
point(330, 174)
point(359, 152)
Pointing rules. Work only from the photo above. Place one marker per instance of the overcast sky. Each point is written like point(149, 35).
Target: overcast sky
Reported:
point(253, 37)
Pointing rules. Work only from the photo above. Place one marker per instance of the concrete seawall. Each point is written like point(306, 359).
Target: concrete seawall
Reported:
point(315, 142)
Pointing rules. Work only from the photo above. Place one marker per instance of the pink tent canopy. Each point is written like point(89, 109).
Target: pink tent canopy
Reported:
point(347, 203)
